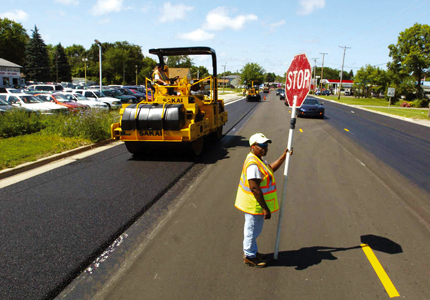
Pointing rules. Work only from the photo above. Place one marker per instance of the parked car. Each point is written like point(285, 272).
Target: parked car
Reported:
point(72, 106)
point(33, 103)
point(114, 93)
point(112, 103)
point(278, 91)
point(4, 105)
point(311, 107)
point(138, 92)
point(46, 87)
point(91, 102)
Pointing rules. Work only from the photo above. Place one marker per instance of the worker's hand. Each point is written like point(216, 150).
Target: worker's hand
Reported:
point(267, 214)
point(291, 152)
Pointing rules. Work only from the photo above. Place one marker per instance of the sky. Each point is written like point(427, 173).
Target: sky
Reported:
point(268, 33)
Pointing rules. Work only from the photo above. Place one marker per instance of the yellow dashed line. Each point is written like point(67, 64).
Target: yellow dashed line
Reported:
point(347, 130)
point(385, 280)
point(300, 130)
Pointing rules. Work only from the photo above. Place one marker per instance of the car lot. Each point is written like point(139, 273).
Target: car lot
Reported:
point(72, 106)
point(32, 103)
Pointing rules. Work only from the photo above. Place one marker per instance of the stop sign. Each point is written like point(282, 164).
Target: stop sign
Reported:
point(298, 80)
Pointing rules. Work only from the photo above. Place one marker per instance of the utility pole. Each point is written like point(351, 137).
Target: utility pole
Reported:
point(85, 68)
point(341, 72)
point(322, 71)
point(315, 72)
point(224, 77)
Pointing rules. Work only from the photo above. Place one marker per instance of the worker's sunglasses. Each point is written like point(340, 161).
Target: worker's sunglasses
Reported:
point(263, 146)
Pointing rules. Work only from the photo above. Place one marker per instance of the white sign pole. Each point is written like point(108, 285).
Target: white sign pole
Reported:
point(284, 185)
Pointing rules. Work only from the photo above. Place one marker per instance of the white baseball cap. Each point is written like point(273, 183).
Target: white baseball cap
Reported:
point(258, 138)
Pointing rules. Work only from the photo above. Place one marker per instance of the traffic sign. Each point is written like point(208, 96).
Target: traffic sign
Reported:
point(298, 80)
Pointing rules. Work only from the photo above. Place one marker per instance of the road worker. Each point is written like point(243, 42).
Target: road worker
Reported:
point(256, 196)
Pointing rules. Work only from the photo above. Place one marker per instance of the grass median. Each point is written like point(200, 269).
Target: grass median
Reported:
point(50, 134)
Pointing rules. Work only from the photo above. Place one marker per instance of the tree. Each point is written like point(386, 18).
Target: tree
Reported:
point(13, 39)
point(75, 55)
point(37, 59)
point(270, 77)
point(411, 55)
point(61, 65)
point(180, 61)
point(148, 65)
point(371, 79)
point(252, 72)
point(199, 72)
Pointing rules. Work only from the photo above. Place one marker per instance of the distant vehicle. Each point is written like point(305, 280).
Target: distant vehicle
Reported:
point(139, 93)
point(278, 91)
point(252, 93)
point(282, 95)
point(33, 103)
point(112, 103)
point(46, 87)
point(115, 93)
point(59, 99)
point(13, 91)
point(91, 102)
point(4, 106)
point(311, 108)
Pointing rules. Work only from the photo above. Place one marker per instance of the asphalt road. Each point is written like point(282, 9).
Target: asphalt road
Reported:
point(339, 196)
point(341, 190)
point(55, 224)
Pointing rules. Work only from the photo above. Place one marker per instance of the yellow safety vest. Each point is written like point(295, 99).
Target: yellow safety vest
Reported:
point(245, 200)
point(161, 74)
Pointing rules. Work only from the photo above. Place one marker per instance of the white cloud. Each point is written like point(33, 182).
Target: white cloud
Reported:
point(219, 19)
point(68, 2)
point(277, 24)
point(172, 13)
point(309, 6)
point(103, 7)
point(197, 35)
point(17, 15)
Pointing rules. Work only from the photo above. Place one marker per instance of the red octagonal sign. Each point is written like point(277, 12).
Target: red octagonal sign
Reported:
point(298, 80)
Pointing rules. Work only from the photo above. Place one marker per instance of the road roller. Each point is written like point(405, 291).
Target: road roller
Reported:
point(182, 113)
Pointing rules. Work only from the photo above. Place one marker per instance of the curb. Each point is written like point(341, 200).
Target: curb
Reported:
point(46, 160)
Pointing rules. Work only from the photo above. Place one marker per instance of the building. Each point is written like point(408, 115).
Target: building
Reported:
point(10, 73)
point(232, 80)
point(333, 84)
point(180, 72)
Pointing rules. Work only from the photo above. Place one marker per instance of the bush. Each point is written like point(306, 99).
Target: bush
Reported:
point(93, 125)
point(420, 103)
point(405, 104)
point(18, 122)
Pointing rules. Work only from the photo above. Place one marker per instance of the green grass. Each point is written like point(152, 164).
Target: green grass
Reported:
point(360, 101)
point(58, 134)
point(403, 112)
point(31, 147)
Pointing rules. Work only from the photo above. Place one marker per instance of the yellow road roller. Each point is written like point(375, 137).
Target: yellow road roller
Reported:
point(182, 113)
point(252, 93)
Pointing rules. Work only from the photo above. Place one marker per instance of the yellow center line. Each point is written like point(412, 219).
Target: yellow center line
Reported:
point(346, 129)
point(300, 130)
point(385, 280)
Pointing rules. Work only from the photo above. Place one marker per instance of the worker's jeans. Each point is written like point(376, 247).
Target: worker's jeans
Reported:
point(252, 229)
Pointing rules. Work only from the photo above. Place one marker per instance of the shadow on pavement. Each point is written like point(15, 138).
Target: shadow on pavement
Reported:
point(306, 257)
point(213, 151)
